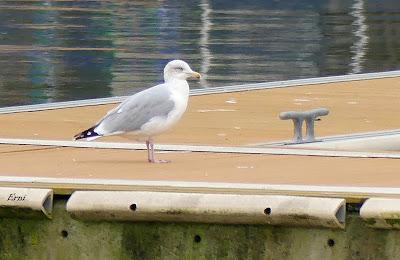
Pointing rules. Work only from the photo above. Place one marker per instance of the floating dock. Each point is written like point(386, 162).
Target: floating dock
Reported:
point(233, 162)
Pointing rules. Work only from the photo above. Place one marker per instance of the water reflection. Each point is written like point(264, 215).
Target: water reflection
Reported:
point(204, 41)
point(68, 50)
point(359, 47)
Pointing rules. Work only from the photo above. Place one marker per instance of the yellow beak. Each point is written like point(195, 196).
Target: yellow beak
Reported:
point(196, 75)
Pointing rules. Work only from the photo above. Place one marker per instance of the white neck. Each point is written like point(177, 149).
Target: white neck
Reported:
point(178, 85)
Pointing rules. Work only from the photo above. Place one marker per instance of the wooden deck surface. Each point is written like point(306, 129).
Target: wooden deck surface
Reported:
point(68, 162)
point(239, 118)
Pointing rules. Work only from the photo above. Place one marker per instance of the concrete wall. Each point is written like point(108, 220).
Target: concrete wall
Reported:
point(66, 238)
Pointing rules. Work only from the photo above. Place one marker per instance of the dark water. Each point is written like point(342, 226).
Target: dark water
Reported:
point(66, 50)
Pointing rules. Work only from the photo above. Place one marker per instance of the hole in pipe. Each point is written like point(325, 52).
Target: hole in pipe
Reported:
point(48, 205)
point(132, 207)
point(341, 214)
point(267, 211)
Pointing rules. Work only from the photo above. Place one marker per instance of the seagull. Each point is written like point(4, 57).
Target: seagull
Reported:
point(150, 112)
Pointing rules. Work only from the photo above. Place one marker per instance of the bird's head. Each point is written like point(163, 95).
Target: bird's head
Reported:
point(178, 69)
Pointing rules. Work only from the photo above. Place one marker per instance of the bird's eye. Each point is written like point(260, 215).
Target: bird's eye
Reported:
point(179, 69)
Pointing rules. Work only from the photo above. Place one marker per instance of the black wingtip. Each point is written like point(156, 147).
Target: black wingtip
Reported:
point(86, 134)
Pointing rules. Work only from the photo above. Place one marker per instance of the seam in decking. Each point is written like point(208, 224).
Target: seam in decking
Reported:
point(201, 148)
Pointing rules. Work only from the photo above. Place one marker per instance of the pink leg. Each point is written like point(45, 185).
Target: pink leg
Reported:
point(150, 155)
point(150, 152)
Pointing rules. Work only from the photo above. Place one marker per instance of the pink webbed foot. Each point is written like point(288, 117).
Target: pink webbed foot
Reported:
point(150, 153)
point(159, 161)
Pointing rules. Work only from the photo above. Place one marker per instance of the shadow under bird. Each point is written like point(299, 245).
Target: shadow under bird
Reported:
point(149, 112)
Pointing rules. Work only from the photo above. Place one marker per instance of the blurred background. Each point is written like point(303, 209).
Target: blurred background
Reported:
point(68, 50)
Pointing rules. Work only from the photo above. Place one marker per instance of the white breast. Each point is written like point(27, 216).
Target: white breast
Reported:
point(158, 125)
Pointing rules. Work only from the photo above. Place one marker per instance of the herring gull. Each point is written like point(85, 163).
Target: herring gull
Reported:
point(149, 112)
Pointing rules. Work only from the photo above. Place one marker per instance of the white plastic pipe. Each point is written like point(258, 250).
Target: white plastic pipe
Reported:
point(207, 208)
point(25, 202)
point(381, 212)
point(388, 142)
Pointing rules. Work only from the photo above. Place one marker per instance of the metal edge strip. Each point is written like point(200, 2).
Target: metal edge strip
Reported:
point(333, 138)
point(216, 90)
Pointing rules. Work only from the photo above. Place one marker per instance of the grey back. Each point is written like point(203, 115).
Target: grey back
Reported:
point(138, 109)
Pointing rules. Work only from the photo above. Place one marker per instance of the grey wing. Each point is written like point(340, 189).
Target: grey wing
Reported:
point(137, 110)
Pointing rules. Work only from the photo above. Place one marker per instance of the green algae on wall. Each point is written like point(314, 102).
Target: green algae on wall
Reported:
point(66, 238)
